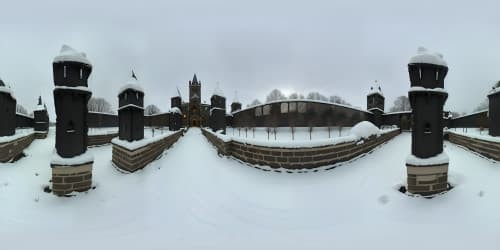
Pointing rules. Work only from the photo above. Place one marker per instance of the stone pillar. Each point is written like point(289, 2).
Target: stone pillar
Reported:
point(218, 111)
point(41, 119)
point(375, 102)
point(427, 166)
point(8, 111)
point(235, 106)
point(131, 111)
point(494, 110)
point(71, 163)
point(175, 116)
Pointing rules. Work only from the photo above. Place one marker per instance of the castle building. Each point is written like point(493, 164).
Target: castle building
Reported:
point(195, 113)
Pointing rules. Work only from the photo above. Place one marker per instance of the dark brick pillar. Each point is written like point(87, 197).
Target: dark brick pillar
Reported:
point(8, 111)
point(218, 113)
point(494, 112)
point(131, 112)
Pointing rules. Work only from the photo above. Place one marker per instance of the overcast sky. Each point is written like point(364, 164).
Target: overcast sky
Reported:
point(334, 47)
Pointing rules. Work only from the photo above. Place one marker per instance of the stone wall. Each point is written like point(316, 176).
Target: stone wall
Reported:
point(11, 150)
point(97, 140)
point(73, 178)
point(475, 120)
point(133, 160)
point(24, 121)
point(101, 120)
point(157, 120)
point(296, 158)
point(486, 148)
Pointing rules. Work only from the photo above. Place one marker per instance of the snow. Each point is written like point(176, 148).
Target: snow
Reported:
point(365, 129)
point(439, 159)
point(68, 54)
point(20, 132)
point(102, 113)
point(426, 56)
point(376, 90)
point(130, 105)
point(477, 112)
point(176, 110)
point(25, 115)
point(398, 112)
point(475, 133)
point(60, 161)
point(132, 84)
point(216, 108)
point(301, 138)
point(148, 139)
point(422, 89)
point(39, 108)
point(78, 88)
point(209, 202)
point(494, 91)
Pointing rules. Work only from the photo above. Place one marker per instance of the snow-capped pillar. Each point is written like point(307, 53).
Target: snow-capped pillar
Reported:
point(375, 102)
point(218, 111)
point(494, 110)
point(427, 166)
point(71, 163)
point(175, 116)
point(131, 112)
point(8, 111)
point(235, 106)
point(41, 119)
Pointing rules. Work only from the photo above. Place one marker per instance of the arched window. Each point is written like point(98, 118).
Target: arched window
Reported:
point(64, 71)
point(71, 127)
point(81, 73)
point(427, 128)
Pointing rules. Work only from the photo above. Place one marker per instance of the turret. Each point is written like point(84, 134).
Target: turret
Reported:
point(8, 111)
point(375, 103)
point(218, 110)
point(41, 119)
point(427, 166)
point(131, 111)
point(494, 110)
point(236, 104)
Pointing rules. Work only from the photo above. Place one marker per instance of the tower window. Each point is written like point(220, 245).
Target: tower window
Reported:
point(427, 128)
point(81, 73)
point(64, 71)
point(71, 127)
point(437, 75)
point(420, 73)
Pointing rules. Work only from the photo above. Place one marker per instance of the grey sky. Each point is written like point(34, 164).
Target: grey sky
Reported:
point(252, 46)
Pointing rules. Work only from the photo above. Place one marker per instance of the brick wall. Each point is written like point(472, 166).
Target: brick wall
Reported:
point(132, 161)
point(10, 150)
point(74, 178)
point(486, 148)
point(97, 140)
point(296, 158)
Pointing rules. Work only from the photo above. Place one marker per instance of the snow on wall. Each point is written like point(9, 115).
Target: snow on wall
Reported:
point(132, 84)
point(19, 133)
point(133, 145)
point(59, 161)
point(7, 90)
point(439, 159)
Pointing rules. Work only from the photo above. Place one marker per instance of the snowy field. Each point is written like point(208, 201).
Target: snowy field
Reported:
point(193, 199)
point(103, 131)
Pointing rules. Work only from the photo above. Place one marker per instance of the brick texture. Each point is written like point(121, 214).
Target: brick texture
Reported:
point(296, 158)
point(97, 140)
point(486, 148)
point(66, 179)
point(132, 161)
point(9, 150)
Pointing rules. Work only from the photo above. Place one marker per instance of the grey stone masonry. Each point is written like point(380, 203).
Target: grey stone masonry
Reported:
point(297, 158)
point(133, 160)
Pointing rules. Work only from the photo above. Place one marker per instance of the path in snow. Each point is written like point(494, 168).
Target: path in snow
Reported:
point(193, 199)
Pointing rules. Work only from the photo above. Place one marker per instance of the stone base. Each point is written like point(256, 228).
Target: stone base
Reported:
point(40, 135)
point(66, 179)
point(427, 180)
point(10, 151)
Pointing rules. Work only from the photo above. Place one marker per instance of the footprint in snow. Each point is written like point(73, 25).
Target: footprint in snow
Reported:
point(383, 199)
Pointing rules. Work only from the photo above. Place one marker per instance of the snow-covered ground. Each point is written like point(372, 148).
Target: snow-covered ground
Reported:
point(103, 131)
point(193, 199)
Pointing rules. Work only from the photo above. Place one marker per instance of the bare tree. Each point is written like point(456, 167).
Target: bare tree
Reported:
point(317, 96)
point(151, 110)
point(338, 99)
point(484, 105)
point(98, 104)
point(275, 95)
point(295, 96)
point(21, 110)
point(402, 103)
point(255, 102)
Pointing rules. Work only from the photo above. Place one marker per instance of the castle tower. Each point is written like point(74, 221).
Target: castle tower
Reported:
point(375, 103)
point(131, 111)
point(236, 104)
point(175, 118)
point(427, 166)
point(71, 164)
point(41, 119)
point(494, 110)
point(8, 111)
point(218, 110)
point(194, 102)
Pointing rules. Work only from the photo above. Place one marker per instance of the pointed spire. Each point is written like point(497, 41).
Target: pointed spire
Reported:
point(39, 100)
point(195, 80)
